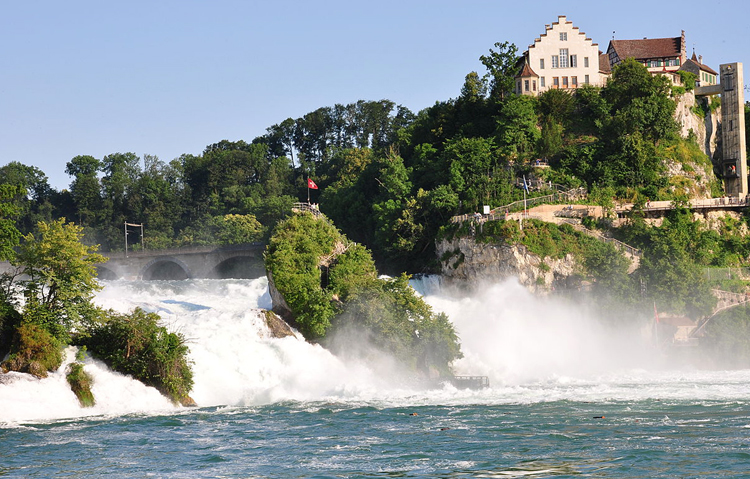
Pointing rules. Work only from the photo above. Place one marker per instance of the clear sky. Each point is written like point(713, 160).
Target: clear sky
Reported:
point(170, 77)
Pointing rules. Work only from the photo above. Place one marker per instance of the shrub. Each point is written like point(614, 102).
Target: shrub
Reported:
point(135, 344)
point(33, 350)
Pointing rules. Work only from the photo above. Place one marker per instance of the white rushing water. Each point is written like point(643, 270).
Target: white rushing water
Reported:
point(532, 349)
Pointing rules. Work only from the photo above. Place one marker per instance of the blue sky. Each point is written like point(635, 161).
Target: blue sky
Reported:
point(170, 77)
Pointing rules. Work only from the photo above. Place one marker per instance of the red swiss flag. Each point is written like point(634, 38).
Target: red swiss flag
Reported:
point(311, 184)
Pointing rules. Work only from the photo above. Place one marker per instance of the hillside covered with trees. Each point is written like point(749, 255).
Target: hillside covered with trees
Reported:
point(390, 178)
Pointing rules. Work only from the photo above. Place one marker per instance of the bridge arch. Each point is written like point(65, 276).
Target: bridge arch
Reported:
point(242, 266)
point(165, 268)
point(104, 273)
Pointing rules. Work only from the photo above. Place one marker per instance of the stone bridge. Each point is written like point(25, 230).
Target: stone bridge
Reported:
point(238, 261)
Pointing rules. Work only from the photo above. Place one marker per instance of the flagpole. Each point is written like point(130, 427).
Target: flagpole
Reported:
point(308, 191)
point(525, 189)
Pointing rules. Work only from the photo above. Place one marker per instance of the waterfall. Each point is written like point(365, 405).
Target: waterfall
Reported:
point(532, 348)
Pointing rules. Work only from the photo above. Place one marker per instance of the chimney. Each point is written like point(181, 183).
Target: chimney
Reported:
point(700, 59)
point(683, 48)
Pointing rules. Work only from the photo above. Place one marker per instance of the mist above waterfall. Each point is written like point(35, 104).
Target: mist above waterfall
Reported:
point(513, 336)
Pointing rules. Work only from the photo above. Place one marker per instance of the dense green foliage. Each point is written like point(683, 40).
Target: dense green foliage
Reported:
point(331, 286)
point(136, 344)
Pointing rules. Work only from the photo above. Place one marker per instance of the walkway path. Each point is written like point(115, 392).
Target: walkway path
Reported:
point(727, 300)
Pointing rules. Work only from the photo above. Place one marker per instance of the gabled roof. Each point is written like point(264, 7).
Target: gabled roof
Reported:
point(699, 61)
point(561, 19)
point(694, 66)
point(604, 66)
point(647, 48)
point(526, 72)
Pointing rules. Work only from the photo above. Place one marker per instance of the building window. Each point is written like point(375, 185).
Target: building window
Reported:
point(563, 58)
point(573, 61)
point(565, 82)
point(585, 62)
point(555, 82)
point(526, 85)
point(533, 84)
point(563, 36)
point(555, 61)
point(541, 82)
point(518, 87)
point(541, 63)
point(574, 82)
point(728, 82)
point(672, 62)
point(654, 63)
point(586, 79)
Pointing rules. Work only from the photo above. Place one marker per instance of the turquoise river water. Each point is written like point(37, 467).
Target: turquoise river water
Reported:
point(567, 398)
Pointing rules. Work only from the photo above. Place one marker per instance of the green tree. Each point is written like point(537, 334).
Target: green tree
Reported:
point(472, 164)
point(517, 132)
point(58, 281)
point(239, 229)
point(34, 197)
point(502, 68)
point(9, 234)
point(85, 188)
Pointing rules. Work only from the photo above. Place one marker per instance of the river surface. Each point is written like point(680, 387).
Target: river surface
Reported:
point(569, 397)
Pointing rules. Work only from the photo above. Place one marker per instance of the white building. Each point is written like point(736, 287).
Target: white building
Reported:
point(562, 57)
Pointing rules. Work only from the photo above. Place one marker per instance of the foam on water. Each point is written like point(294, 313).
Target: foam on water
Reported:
point(534, 350)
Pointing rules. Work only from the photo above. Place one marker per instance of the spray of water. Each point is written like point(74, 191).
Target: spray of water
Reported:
point(533, 349)
point(515, 337)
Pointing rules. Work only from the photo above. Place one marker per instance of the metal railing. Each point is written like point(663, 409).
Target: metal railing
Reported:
point(311, 207)
point(619, 245)
point(706, 203)
point(500, 212)
point(721, 274)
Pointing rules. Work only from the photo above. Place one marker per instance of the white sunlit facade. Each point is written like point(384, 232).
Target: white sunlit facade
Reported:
point(562, 57)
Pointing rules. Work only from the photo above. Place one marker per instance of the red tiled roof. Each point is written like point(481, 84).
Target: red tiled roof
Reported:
point(648, 48)
point(695, 66)
point(604, 65)
point(708, 69)
point(527, 71)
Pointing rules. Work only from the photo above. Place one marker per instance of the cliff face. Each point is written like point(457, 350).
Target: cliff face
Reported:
point(468, 263)
point(705, 129)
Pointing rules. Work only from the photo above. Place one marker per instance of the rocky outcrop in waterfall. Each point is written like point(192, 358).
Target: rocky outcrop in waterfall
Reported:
point(467, 263)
